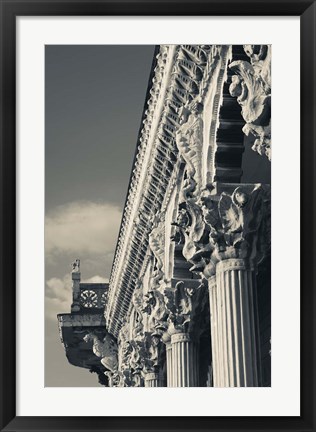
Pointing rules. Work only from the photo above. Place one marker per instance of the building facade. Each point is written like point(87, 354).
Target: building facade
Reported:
point(189, 297)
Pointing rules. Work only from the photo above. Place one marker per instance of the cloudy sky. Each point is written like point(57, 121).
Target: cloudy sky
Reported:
point(94, 99)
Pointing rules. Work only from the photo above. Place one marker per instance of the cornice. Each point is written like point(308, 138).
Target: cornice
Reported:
point(178, 78)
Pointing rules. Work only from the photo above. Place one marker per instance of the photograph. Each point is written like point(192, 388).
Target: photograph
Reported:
point(158, 215)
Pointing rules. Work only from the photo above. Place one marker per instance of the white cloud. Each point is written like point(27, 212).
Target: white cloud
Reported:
point(96, 279)
point(82, 227)
point(58, 294)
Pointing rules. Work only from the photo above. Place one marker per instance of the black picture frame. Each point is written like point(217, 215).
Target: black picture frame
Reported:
point(10, 9)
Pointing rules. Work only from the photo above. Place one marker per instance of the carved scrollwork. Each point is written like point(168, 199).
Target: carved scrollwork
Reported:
point(252, 87)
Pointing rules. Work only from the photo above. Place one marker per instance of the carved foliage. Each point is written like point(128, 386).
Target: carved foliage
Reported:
point(252, 87)
point(238, 224)
point(181, 302)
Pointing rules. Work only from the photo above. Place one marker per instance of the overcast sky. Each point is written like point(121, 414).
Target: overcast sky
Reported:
point(94, 99)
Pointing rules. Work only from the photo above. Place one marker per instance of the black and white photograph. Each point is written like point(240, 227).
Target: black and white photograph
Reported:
point(158, 216)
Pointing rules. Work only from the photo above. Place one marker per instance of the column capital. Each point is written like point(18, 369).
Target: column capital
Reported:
point(183, 298)
point(238, 220)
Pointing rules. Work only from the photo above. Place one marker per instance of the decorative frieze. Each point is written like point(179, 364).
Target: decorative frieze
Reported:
point(155, 162)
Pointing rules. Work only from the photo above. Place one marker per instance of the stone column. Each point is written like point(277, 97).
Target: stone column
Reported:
point(235, 345)
point(153, 379)
point(183, 298)
point(214, 324)
point(184, 360)
point(169, 364)
point(238, 221)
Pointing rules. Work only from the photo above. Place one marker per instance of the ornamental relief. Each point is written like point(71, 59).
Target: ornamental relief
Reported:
point(105, 349)
point(222, 226)
point(252, 87)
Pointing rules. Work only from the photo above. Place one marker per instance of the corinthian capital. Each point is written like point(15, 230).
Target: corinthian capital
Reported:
point(182, 300)
point(153, 351)
point(239, 223)
point(252, 87)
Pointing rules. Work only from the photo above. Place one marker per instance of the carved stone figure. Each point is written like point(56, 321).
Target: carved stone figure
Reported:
point(153, 353)
point(157, 245)
point(154, 306)
point(191, 225)
point(189, 140)
point(179, 301)
point(137, 301)
point(106, 350)
point(252, 87)
point(76, 266)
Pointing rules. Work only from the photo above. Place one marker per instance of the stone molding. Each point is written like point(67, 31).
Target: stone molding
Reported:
point(181, 337)
point(179, 77)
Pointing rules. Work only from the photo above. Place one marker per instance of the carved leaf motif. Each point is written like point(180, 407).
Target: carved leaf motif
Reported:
point(231, 216)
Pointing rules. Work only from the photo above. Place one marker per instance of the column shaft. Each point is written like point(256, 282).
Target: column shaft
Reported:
point(184, 361)
point(234, 324)
point(153, 379)
point(169, 364)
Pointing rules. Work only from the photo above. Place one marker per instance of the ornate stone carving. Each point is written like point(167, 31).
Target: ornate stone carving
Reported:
point(238, 222)
point(157, 246)
point(252, 87)
point(176, 83)
point(137, 301)
point(113, 378)
point(192, 233)
point(154, 305)
point(181, 301)
point(189, 140)
point(106, 350)
point(153, 348)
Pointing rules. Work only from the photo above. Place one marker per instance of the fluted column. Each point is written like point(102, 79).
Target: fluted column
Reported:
point(183, 298)
point(214, 324)
point(153, 379)
point(184, 360)
point(169, 364)
point(235, 334)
